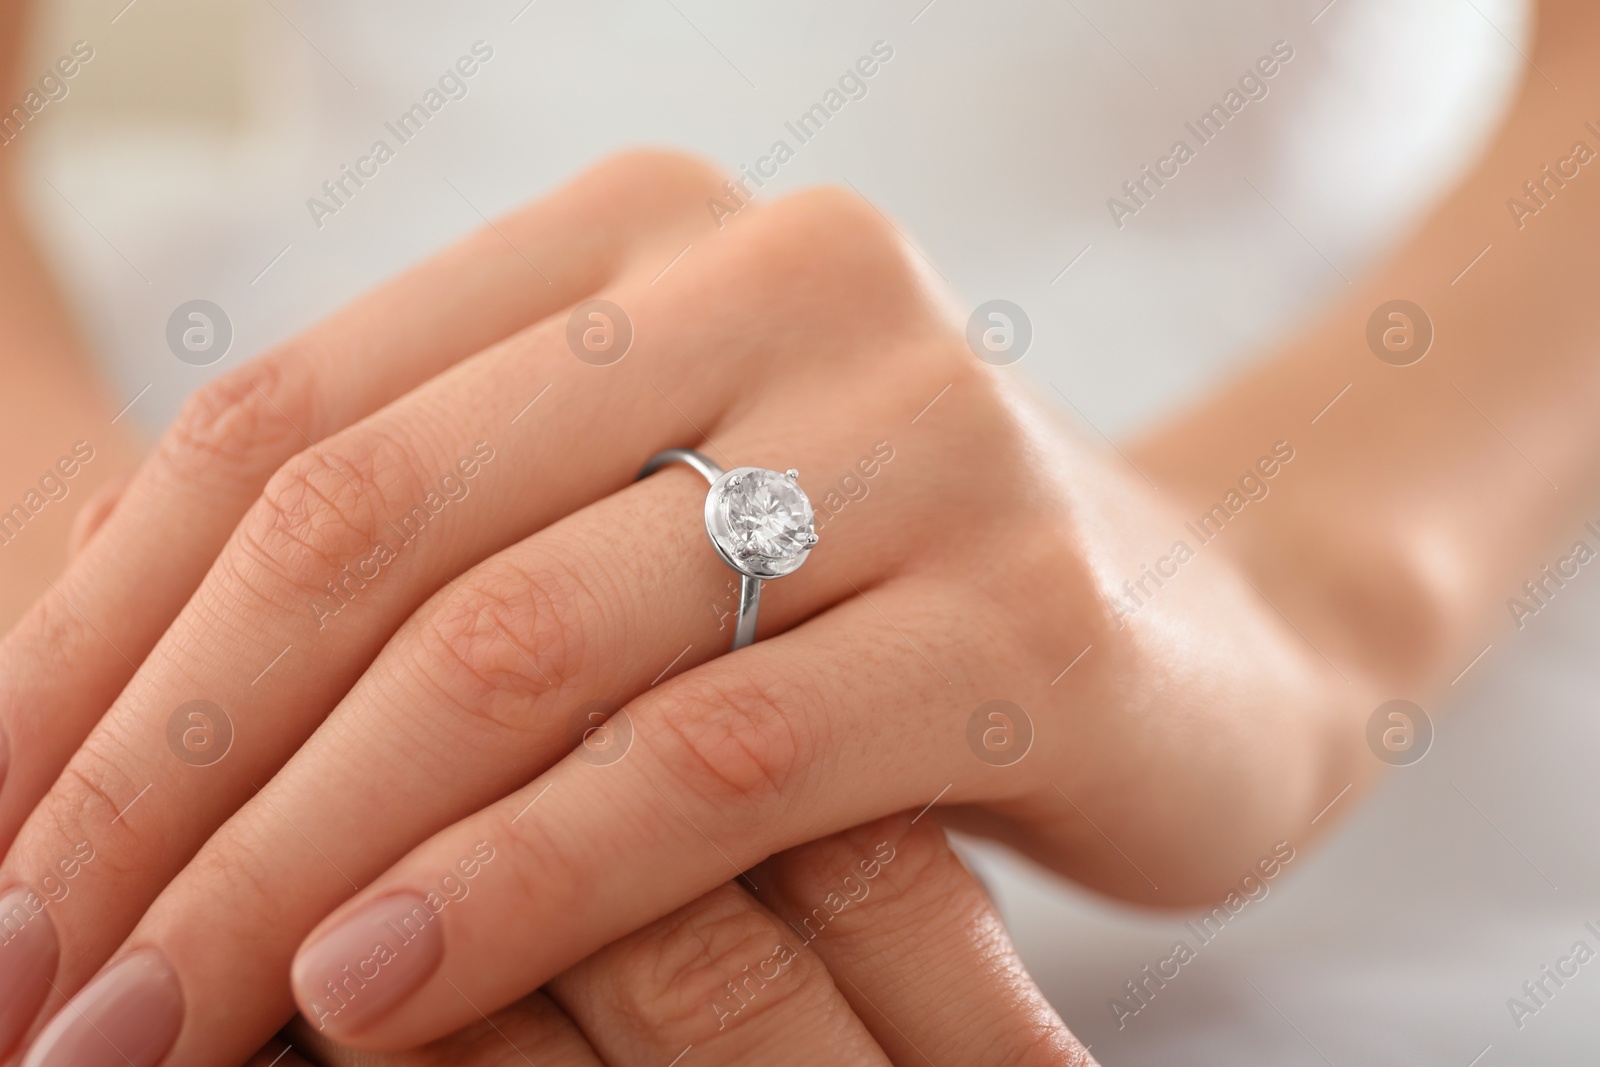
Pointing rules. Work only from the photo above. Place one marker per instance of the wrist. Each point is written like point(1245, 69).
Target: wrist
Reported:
point(54, 413)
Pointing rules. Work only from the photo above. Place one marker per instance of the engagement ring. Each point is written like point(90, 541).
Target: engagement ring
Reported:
point(759, 521)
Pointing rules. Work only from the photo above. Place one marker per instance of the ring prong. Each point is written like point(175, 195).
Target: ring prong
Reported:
point(812, 538)
point(733, 483)
point(791, 474)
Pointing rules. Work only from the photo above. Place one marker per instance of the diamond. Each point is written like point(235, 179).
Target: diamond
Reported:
point(767, 515)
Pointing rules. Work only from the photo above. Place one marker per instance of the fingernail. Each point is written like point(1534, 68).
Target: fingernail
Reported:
point(130, 1014)
point(27, 960)
point(375, 957)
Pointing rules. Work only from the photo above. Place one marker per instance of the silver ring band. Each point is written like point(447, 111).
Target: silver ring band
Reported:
point(759, 521)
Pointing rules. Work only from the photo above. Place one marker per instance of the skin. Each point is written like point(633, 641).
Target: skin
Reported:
point(54, 399)
point(1220, 719)
point(484, 639)
point(219, 451)
point(835, 992)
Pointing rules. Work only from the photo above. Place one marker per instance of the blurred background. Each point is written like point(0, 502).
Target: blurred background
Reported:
point(181, 161)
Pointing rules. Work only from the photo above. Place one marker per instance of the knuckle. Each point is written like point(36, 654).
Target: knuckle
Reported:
point(835, 210)
point(842, 225)
point(827, 247)
point(250, 878)
point(718, 958)
point(920, 854)
point(511, 634)
point(850, 882)
point(245, 420)
point(92, 794)
point(664, 172)
point(636, 198)
point(730, 740)
point(50, 642)
point(546, 863)
point(84, 786)
point(325, 508)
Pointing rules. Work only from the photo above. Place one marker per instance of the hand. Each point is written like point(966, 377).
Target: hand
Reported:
point(912, 961)
point(460, 566)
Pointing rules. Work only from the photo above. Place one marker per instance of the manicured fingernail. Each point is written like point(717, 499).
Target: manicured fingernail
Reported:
point(130, 1014)
point(373, 959)
point(27, 960)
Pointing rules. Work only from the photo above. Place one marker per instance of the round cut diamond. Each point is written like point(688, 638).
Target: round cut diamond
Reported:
point(768, 516)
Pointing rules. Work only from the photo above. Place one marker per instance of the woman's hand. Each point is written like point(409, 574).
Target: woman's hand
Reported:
point(403, 563)
point(871, 947)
